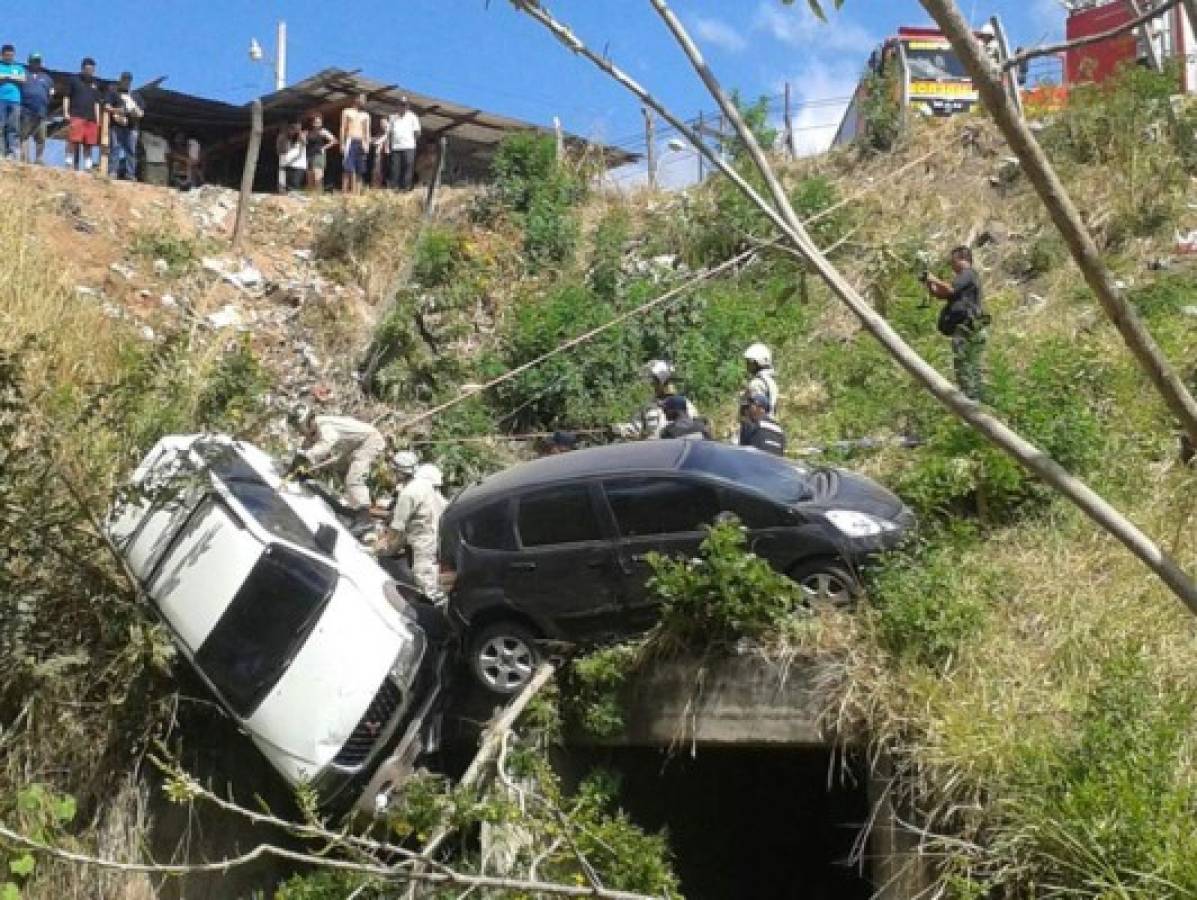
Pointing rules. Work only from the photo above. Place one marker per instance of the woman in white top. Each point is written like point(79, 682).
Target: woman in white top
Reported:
point(292, 149)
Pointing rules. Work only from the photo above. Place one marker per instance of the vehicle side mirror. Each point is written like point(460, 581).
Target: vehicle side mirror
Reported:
point(326, 538)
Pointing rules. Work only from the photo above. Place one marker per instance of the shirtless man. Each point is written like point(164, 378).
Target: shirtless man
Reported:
point(355, 137)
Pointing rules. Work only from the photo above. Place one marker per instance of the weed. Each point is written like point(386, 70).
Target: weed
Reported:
point(727, 593)
point(180, 253)
point(595, 684)
point(439, 255)
point(232, 390)
point(929, 605)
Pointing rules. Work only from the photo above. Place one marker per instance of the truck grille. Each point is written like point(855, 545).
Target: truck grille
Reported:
point(372, 726)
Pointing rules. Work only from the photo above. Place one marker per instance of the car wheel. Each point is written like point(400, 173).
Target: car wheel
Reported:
point(826, 583)
point(503, 657)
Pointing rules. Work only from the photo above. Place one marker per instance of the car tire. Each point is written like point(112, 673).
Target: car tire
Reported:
point(503, 657)
point(826, 583)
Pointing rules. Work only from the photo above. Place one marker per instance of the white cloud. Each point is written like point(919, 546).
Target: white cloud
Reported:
point(1049, 16)
point(820, 93)
point(797, 26)
point(719, 34)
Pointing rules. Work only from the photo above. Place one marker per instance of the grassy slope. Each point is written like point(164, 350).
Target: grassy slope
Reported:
point(1033, 683)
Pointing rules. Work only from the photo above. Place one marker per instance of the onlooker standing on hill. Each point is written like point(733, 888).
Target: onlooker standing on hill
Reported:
point(125, 108)
point(81, 106)
point(36, 94)
point(355, 141)
point(292, 147)
point(402, 135)
point(320, 140)
point(964, 320)
point(12, 77)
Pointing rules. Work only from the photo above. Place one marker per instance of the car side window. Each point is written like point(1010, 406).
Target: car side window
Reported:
point(490, 528)
point(644, 506)
point(754, 512)
point(560, 515)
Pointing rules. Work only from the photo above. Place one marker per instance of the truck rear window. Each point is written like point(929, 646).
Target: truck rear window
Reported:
point(265, 626)
point(257, 496)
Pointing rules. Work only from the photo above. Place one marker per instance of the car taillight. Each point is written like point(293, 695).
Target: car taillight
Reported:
point(447, 579)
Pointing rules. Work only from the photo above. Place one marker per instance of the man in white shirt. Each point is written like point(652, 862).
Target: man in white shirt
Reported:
point(403, 133)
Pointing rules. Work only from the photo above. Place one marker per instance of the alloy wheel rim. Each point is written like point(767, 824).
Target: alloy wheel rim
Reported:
point(826, 588)
point(505, 663)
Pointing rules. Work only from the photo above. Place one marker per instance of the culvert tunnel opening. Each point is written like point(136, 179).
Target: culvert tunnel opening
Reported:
point(751, 824)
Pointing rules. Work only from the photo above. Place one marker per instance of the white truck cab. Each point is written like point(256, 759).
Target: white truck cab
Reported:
point(299, 633)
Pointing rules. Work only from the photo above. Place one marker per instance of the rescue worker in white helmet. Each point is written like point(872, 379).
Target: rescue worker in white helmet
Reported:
point(650, 421)
point(340, 441)
point(416, 519)
point(762, 379)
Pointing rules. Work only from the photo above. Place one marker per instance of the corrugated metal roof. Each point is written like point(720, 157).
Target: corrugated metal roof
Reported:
point(338, 87)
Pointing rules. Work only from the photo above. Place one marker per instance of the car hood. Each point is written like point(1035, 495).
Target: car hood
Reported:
point(841, 489)
point(309, 715)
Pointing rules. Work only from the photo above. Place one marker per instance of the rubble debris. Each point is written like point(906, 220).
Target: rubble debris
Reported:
point(241, 275)
point(1186, 243)
point(228, 316)
point(161, 267)
point(126, 272)
point(210, 206)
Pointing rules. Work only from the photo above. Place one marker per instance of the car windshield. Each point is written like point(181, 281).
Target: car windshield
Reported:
point(935, 65)
point(257, 496)
point(265, 626)
point(775, 478)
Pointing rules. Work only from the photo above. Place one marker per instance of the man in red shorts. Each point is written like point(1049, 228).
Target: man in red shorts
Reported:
point(81, 106)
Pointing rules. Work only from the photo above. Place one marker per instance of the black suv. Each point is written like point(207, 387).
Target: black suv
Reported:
point(556, 548)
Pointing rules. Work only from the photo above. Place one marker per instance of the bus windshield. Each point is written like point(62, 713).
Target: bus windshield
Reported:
point(934, 65)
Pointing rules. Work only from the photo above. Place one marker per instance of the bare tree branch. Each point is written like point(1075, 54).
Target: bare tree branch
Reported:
point(1021, 450)
point(446, 876)
point(489, 747)
point(1052, 49)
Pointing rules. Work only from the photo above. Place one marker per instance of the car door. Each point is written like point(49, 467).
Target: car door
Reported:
point(566, 573)
point(662, 514)
point(771, 527)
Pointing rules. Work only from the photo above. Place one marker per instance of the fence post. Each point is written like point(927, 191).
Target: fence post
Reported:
point(650, 141)
point(560, 132)
point(247, 175)
point(791, 146)
point(442, 151)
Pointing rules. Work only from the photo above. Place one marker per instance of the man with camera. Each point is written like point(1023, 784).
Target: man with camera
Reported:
point(963, 319)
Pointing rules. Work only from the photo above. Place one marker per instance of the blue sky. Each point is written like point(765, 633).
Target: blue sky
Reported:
point(493, 57)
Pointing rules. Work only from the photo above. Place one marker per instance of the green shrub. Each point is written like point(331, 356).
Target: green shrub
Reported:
point(440, 253)
point(727, 593)
point(881, 112)
point(233, 389)
point(606, 265)
point(596, 681)
point(931, 602)
point(540, 191)
point(1042, 255)
point(326, 885)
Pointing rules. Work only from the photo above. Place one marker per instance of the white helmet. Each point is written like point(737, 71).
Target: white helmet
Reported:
point(657, 370)
point(759, 354)
point(430, 473)
point(406, 462)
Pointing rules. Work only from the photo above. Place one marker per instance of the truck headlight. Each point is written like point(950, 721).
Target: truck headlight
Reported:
point(407, 663)
point(858, 524)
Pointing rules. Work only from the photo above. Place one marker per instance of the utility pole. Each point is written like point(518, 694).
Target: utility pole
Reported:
point(650, 140)
point(560, 138)
point(247, 176)
point(791, 150)
point(701, 159)
point(280, 58)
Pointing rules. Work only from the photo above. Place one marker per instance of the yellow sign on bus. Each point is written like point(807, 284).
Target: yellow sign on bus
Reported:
point(962, 89)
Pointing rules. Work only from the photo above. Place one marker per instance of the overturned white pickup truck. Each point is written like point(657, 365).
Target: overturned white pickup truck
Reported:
point(304, 639)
